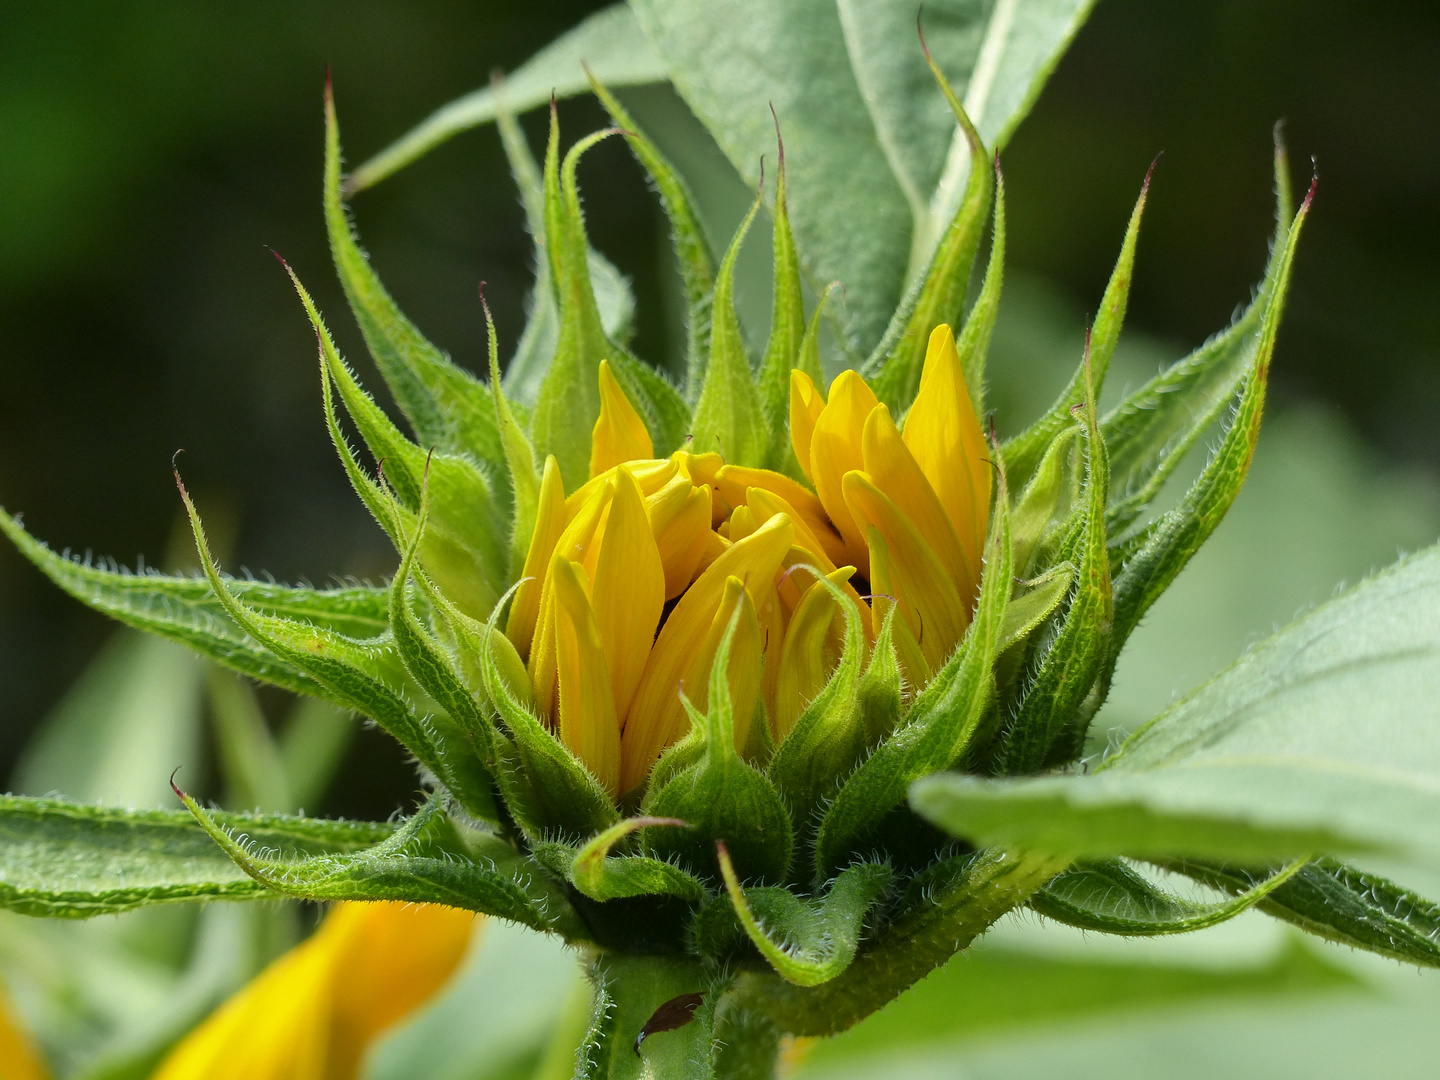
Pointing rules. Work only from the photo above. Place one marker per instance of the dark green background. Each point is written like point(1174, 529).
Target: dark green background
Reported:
point(150, 152)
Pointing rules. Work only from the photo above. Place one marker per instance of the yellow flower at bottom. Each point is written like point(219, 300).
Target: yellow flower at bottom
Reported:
point(313, 1013)
point(19, 1059)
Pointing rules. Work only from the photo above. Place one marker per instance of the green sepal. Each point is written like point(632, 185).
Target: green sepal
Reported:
point(893, 369)
point(1152, 431)
point(830, 735)
point(561, 793)
point(881, 692)
point(1043, 727)
point(1042, 513)
point(807, 942)
point(344, 666)
point(603, 876)
point(939, 726)
point(1026, 611)
point(519, 459)
point(1109, 897)
point(1163, 548)
point(723, 796)
point(463, 550)
point(418, 863)
point(1342, 904)
point(730, 417)
point(1023, 453)
point(63, 860)
point(569, 399)
point(446, 406)
point(185, 610)
point(692, 250)
point(808, 361)
point(787, 326)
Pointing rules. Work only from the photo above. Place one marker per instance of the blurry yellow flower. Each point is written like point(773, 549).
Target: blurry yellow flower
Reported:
point(19, 1060)
point(312, 1013)
point(631, 580)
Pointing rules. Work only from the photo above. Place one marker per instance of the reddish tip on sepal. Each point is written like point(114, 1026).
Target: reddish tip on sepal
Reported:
point(176, 787)
point(1314, 183)
point(1150, 172)
point(780, 142)
point(920, 32)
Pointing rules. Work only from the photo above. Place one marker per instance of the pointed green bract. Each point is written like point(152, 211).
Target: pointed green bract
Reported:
point(692, 250)
point(940, 724)
point(1024, 451)
point(519, 460)
point(1112, 898)
point(602, 876)
point(723, 796)
point(63, 860)
point(730, 416)
point(807, 943)
point(787, 327)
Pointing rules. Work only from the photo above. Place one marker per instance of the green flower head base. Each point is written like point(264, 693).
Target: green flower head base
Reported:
point(671, 662)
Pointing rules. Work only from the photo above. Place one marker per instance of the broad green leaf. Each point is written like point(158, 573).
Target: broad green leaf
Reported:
point(608, 41)
point(1343, 904)
point(1112, 898)
point(1321, 740)
point(447, 407)
point(730, 416)
point(941, 722)
point(61, 859)
point(807, 943)
point(185, 609)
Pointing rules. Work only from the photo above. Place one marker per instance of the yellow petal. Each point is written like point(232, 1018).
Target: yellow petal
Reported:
point(803, 665)
point(705, 469)
point(628, 590)
point(928, 598)
point(835, 449)
point(773, 623)
point(736, 481)
point(806, 405)
point(19, 1060)
point(550, 518)
point(681, 528)
point(892, 467)
point(313, 1012)
point(586, 721)
point(651, 475)
point(882, 601)
point(943, 432)
point(619, 435)
point(745, 670)
point(656, 717)
point(715, 546)
point(813, 552)
point(742, 523)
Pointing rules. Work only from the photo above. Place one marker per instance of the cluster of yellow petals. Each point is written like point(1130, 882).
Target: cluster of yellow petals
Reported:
point(313, 1013)
point(631, 581)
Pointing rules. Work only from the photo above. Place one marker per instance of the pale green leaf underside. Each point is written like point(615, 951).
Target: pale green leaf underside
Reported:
point(71, 861)
point(1326, 738)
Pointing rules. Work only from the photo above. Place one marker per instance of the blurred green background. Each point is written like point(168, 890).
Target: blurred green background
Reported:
point(153, 150)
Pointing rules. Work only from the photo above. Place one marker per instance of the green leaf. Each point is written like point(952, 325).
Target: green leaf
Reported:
point(730, 416)
point(1112, 898)
point(723, 796)
point(941, 722)
point(608, 41)
point(185, 609)
point(1023, 453)
point(1320, 740)
point(1167, 544)
point(692, 250)
point(602, 876)
point(808, 943)
point(1342, 904)
point(1043, 728)
point(413, 864)
point(855, 130)
point(63, 860)
point(446, 406)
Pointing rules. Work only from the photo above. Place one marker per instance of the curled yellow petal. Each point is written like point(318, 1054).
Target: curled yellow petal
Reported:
point(312, 1013)
point(705, 469)
point(628, 590)
point(806, 404)
point(804, 663)
point(928, 598)
point(619, 434)
point(550, 518)
point(736, 482)
point(651, 475)
point(585, 709)
point(943, 432)
point(835, 449)
point(680, 520)
point(741, 524)
point(892, 467)
point(656, 717)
